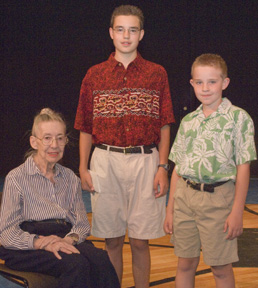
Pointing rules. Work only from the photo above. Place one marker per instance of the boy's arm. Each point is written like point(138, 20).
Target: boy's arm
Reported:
point(234, 222)
point(161, 177)
point(85, 148)
point(168, 224)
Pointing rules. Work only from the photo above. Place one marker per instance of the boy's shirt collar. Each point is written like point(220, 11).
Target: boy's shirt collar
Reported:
point(222, 109)
point(137, 62)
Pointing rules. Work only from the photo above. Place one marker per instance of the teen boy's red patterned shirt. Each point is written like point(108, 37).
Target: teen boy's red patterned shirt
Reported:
point(123, 107)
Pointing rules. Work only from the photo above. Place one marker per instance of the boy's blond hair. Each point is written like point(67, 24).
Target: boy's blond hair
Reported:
point(127, 10)
point(214, 60)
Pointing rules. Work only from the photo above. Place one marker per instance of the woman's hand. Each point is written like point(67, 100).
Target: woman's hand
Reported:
point(54, 244)
point(43, 241)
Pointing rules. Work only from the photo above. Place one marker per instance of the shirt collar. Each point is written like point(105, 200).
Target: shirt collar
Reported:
point(32, 168)
point(138, 62)
point(222, 109)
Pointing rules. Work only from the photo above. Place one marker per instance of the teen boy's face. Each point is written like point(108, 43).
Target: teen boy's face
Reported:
point(126, 34)
point(208, 85)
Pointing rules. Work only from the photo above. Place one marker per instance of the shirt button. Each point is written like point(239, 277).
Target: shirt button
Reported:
point(120, 64)
point(125, 78)
point(127, 129)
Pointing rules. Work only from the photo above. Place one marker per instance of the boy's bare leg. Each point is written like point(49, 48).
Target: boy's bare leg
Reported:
point(114, 247)
point(224, 276)
point(141, 262)
point(185, 275)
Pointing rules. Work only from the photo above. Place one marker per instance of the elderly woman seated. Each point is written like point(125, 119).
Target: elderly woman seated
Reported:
point(43, 221)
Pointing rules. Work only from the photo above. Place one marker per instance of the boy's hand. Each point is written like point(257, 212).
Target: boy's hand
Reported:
point(161, 181)
point(168, 224)
point(234, 225)
point(86, 181)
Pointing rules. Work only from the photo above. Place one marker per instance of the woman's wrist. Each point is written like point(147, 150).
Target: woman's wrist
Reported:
point(35, 241)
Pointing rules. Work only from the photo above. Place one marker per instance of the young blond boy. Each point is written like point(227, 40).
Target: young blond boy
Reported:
point(209, 184)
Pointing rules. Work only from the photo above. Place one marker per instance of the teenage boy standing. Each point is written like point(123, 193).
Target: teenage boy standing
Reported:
point(125, 110)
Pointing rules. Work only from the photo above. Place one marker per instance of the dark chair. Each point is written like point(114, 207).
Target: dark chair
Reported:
point(27, 279)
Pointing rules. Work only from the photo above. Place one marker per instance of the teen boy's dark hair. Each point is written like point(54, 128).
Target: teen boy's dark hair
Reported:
point(127, 10)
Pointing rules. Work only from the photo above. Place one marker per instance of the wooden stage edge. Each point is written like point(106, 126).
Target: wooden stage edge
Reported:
point(164, 262)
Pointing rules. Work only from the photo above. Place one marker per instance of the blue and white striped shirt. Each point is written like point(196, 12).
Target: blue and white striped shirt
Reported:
point(29, 196)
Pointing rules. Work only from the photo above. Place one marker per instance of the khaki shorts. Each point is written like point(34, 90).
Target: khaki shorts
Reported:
point(124, 197)
point(198, 223)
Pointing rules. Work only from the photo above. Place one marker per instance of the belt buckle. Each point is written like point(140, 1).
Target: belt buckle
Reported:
point(128, 147)
point(191, 182)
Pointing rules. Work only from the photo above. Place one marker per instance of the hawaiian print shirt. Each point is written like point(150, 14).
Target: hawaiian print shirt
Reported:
point(208, 149)
point(124, 107)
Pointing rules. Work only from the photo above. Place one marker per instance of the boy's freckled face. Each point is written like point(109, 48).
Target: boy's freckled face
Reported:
point(208, 85)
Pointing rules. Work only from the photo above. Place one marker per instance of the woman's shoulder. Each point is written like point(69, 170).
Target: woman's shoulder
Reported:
point(67, 171)
point(19, 170)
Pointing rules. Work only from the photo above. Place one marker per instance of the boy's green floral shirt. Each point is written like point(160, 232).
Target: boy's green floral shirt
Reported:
point(209, 149)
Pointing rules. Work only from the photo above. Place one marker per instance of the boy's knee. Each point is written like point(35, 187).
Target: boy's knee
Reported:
point(222, 271)
point(114, 243)
point(188, 264)
point(140, 245)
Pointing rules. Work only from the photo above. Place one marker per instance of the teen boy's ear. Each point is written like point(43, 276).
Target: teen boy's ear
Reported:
point(111, 32)
point(141, 34)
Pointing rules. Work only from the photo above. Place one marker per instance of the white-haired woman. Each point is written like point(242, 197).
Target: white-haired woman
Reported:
point(43, 221)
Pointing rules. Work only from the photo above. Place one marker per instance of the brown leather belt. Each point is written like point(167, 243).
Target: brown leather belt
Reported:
point(202, 186)
point(128, 150)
